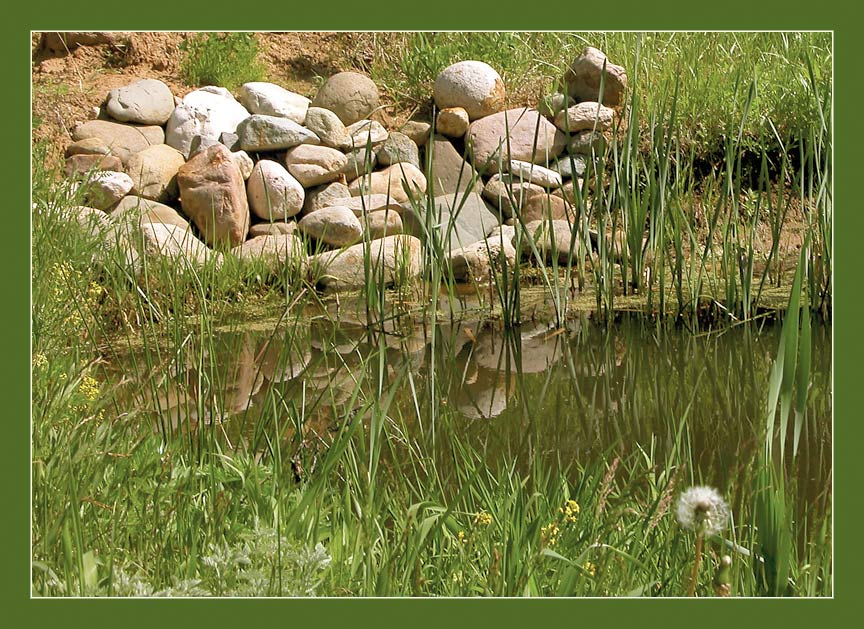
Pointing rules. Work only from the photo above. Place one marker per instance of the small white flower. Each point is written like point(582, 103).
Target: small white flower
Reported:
point(702, 509)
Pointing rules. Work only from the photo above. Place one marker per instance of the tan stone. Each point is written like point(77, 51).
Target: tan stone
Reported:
point(393, 260)
point(335, 226)
point(154, 172)
point(452, 122)
point(213, 194)
point(392, 181)
point(82, 164)
point(381, 223)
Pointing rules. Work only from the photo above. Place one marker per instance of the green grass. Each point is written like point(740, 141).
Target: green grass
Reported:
point(711, 69)
point(152, 473)
point(223, 59)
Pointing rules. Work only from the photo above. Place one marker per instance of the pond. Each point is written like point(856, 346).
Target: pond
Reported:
point(538, 396)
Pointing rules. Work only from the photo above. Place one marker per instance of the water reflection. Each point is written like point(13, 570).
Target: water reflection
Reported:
point(568, 394)
point(560, 396)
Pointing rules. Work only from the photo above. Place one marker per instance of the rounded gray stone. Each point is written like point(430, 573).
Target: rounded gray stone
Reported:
point(398, 147)
point(336, 226)
point(148, 101)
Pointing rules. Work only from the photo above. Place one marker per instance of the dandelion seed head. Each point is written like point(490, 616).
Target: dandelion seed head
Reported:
point(702, 509)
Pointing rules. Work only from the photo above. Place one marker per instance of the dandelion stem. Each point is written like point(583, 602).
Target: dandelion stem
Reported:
point(691, 591)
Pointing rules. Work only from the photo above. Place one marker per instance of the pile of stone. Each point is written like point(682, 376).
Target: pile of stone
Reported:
point(317, 184)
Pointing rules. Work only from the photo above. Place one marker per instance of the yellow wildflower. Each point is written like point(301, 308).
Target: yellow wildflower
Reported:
point(94, 292)
point(549, 534)
point(39, 361)
point(590, 568)
point(461, 537)
point(89, 387)
point(570, 510)
point(483, 519)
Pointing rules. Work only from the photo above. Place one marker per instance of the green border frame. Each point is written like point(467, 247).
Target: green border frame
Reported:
point(438, 15)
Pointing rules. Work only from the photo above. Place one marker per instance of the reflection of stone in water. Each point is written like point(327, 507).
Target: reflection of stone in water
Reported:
point(404, 333)
point(336, 384)
point(171, 400)
point(540, 346)
point(454, 336)
point(485, 394)
point(341, 337)
point(242, 379)
point(280, 360)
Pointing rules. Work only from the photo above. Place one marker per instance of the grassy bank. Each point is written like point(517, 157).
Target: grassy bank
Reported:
point(153, 474)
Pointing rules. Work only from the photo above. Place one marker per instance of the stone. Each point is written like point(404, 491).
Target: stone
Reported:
point(105, 188)
point(480, 261)
point(82, 164)
point(314, 165)
point(201, 142)
point(213, 195)
point(272, 100)
point(176, 244)
point(544, 207)
point(508, 195)
point(148, 101)
point(488, 139)
point(122, 139)
point(99, 235)
point(335, 193)
point(335, 226)
point(584, 117)
point(371, 203)
point(366, 132)
point(554, 243)
point(398, 147)
point(553, 103)
point(280, 253)
point(568, 193)
point(538, 175)
point(472, 85)
point(138, 210)
point(349, 95)
point(88, 146)
point(208, 112)
point(584, 76)
point(360, 162)
point(394, 260)
point(273, 229)
point(273, 192)
point(269, 133)
point(66, 41)
point(450, 172)
point(230, 139)
point(400, 181)
point(417, 130)
point(329, 128)
point(154, 172)
point(586, 142)
point(452, 122)
point(381, 223)
point(571, 166)
point(459, 220)
point(242, 160)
